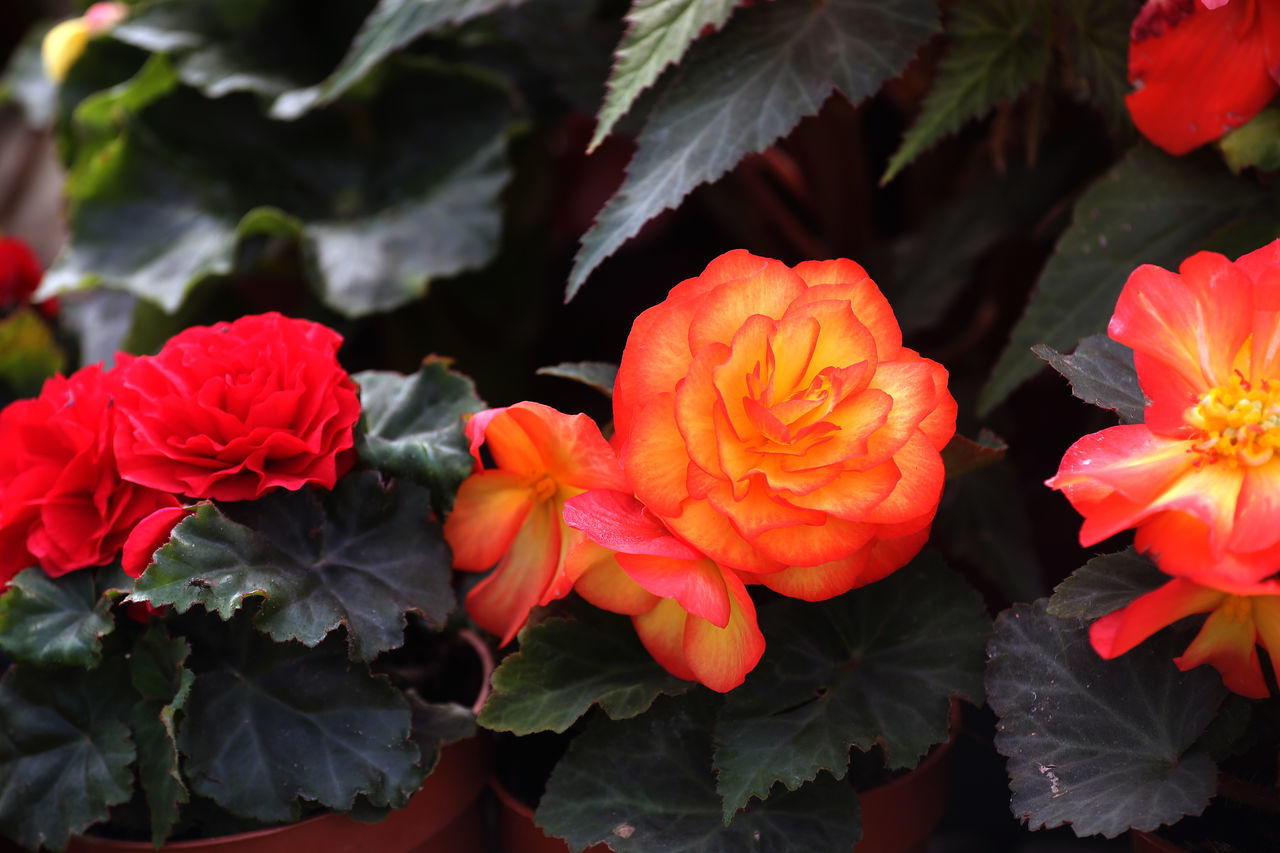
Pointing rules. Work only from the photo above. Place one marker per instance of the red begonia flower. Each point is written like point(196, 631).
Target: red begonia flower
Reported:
point(148, 536)
point(20, 274)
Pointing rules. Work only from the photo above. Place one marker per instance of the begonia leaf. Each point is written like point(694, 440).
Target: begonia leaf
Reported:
point(742, 88)
point(1254, 144)
point(362, 557)
point(966, 455)
point(659, 792)
point(877, 665)
point(381, 205)
point(564, 666)
point(997, 49)
point(336, 731)
point(658, 34)
point(1104, 746)
point(1097, 46)
point(413, 426)
point(49, 621)
point(597, 374)
point(1101, 372)
point(157, 671)
point(64, 750)
point(1105, 583)
point(24, 80)
point(390, 27)
point(1149, 208)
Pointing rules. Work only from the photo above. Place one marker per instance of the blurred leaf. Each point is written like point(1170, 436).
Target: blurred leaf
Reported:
point(1255, 144)
point(658, 34)
point(598, 374)
point(1105, 583)
point(1150, 208)
point(659, 793)
point(392, 26)
point(877, 665)
point(157, 672)
point(28, 352)
point(564, 666)
point(1101, 372)
point(384, 195)
point(964, 455)
point(997, 49)
point(277, 723)
point(362, 558)
point(48, 621)
point(64, 752)
point(1101, 745)
point(413, 426)
point(1097, 45)
point(744, 87)
point(24, 80)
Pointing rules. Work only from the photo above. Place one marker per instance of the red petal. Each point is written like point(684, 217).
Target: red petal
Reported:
point(721, 657)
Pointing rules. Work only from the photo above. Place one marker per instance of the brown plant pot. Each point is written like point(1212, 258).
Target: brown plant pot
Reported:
point(1146, 842)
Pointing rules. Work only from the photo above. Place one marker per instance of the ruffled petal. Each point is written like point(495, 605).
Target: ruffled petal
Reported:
point(661, 630)
point(655, 459)
point(572, 450)
point(721, 656)
point(697, 585)
point(501, 602)
point(619, 522)
point(489, 509)
point(599, 579)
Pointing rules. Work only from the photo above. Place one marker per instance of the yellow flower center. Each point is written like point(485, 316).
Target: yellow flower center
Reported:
point(1238, 422)
point(544, 488)
point(1238, 609)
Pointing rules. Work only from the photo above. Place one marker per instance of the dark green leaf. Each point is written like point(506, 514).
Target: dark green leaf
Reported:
point(1097, 45)
point(877, 665)
point(363, 559)
point(278, 723)
point(646, 784)
point(1255, 144)
point(564, 666)
point(1101, 372)
point(24, 79)
point(658, 34)
point(48, 621)
point(964, 455)
point(1104, 584)
point(64, 750)
point(997, 50)
point(742, 88)
point(598, 374)
point(157, 671)
point(1101, 745)
point(1150, 208)
point(413, 426)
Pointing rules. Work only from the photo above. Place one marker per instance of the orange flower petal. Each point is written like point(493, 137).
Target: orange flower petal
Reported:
point(696, 403)
point(854, 495)
point(1257, 511)
point(600, 580)
point(759, 509)
point(809, 546)
point(489, 509)
point(661, 630)
point(844, 279)
point(721, 312)
point(721, 656)
point(655, 458)
point(921, 488)
point(511, 446)
point(702, 526)
point(697, 585)
point(572, 450)
point(619, 522)
point(940, 424)
point(501, 602)
point(1122, 630)
point(1229, 645)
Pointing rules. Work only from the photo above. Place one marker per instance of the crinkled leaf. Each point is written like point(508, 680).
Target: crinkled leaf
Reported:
point(646, 784)
point(997, 50)
point(157, 671)
point(877, 665)
point(24, 79)
point(277, 723)
point(1104, 584)
point(1101, 372)
point(658, 34)
point(390, 27)
point(742, 88)
point(1254, 144)
point(964, 455)
point(1101, 745)
point(50, 621)
point(1097, 46)
point(1150, 208)
point(598, 374)
point(564, 666)
point(413, 426)
point(64, 750)
point(363, 558)
point(397, 190)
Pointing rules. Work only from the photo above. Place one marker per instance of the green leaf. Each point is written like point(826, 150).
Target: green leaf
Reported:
point(564, 666)
point(1097, 46)
point(658, 34)
point(24, 79)
point(598, 374)
point(742, 88)
point(392, 26)
point(277, 723)
point(964, 455)
point(646, 784)
point(1149, 209)
point(384, 196)
point(1101, 372)
point(157, 672)
point(997, 50)
point(362, 558)
point(1101, 745)
point(412, 426)
point(64, 752)
point(1255, 144)
point(877, 665)
point(48, 621)
point(1104, 584)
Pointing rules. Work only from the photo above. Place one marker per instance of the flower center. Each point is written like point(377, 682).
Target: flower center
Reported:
point(1239, 422)
point(544, 488)
point(1237, 609)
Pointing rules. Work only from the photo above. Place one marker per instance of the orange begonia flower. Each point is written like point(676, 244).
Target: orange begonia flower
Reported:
point(1201, 68)
point(771, 418)
point(1239, 620)
point(1200, 479)
point(511, 514)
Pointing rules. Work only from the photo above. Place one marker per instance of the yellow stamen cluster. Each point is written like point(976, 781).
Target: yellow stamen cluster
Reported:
point(1238, 422)
point(1238, 609)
